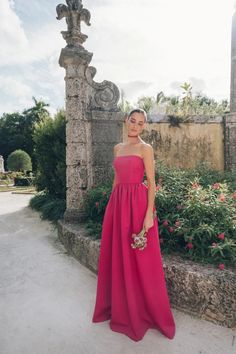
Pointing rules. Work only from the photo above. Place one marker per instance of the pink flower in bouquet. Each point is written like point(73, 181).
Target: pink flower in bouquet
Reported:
point(177, 223)
point(104, 193)
point(221, 236)
point(160, 179)
point(195, 185)
point(161, 240)
point(165, 223)
point(189, 245)
point(214, 244)
point(140, 240)
point(97, 204)
point(234, 196)
point(221, 266)
point(216, 185)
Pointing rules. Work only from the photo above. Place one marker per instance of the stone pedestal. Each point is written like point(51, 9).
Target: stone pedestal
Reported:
point(93, 120)
point(2, 164)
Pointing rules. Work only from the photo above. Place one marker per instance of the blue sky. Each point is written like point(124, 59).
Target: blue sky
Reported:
point(142, 46)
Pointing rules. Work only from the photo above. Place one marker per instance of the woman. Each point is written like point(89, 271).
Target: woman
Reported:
point(131, 288)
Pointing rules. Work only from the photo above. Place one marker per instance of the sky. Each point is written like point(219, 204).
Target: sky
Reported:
point(143, 46)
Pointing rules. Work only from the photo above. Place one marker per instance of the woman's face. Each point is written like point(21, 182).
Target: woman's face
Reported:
point(135, 123)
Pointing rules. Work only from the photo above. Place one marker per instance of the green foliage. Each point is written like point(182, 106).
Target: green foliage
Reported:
point(50, 154)
point(124, 105)
point(179, 107)
point(51, 208)
point(16, 129)
point(19, 160)
point(9, 176)
point(146, 103)
point(23, 181)
point(198, 104)
point(95, 204)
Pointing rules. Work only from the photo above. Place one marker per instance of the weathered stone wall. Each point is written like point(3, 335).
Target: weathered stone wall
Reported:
point(200, 139)
point(198, 290)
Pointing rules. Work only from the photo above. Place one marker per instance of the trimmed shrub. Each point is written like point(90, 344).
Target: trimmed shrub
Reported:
point(19, 160)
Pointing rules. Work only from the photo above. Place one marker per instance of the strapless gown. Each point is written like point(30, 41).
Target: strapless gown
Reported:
point(131, 286)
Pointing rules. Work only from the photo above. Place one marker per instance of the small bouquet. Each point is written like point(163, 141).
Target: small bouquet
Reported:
point(140, 239)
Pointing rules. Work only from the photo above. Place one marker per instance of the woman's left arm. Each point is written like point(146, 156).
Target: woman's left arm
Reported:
point(149, 163)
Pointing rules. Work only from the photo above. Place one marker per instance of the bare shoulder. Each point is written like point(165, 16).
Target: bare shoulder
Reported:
point(147, 149)
point(116, 148)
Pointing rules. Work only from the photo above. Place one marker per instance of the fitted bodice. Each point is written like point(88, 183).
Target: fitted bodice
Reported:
point(128, 169)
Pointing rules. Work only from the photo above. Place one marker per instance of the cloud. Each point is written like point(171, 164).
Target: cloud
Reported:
point(29, 62)
point(12, 36)
point(22, 48)
point(142, 48)
point(16, 89)
point(134, 89)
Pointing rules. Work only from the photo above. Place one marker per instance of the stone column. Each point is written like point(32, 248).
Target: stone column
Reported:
point(93, 120)
point(230, 119)
point(233, 65)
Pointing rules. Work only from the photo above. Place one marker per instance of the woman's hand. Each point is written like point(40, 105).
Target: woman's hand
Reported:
point(148, 220)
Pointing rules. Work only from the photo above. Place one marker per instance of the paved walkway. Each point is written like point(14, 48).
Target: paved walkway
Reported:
point(47, 299)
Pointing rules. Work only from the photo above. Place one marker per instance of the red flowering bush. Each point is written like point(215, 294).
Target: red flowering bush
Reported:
point(197, 215)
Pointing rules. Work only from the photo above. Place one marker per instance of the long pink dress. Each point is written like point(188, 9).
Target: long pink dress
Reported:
point(131, 287)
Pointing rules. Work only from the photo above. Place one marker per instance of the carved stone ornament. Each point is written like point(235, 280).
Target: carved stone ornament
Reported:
point(74, 14)
point(106, 94)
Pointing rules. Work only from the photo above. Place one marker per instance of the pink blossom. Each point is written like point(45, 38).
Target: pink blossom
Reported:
point(216, 186)
point(221, 236)
point(165, 222)
point(104, 193)
point(221, 197)
point(221, 266)
point(214, 244)
point(177, 223)
point(170, 229)
point(195, 185)
point(97, 204)
point(161, 240)
point(189, 245)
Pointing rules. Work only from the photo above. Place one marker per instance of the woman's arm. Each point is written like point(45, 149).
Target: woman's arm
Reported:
point(149, 162)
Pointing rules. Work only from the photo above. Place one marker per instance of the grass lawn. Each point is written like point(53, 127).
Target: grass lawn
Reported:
point(18, 190)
